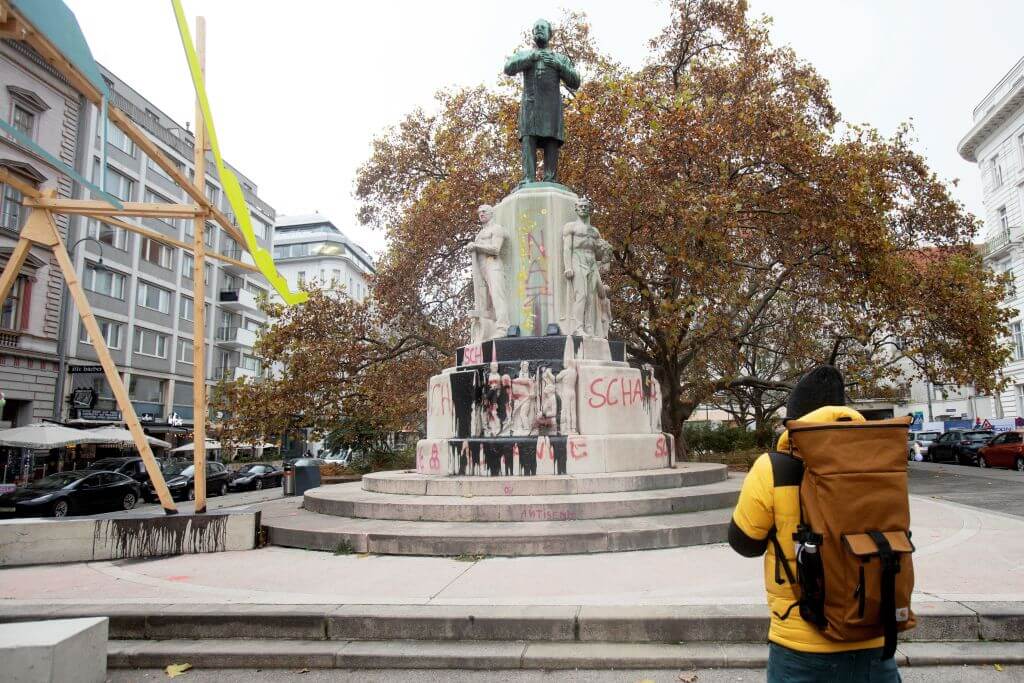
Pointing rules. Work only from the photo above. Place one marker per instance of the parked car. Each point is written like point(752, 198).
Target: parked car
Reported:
point(918, 443)
point(256, 476)
point(1005, 450)
point(69, 493)
point(959, 446)
point(132, 466)
point(182, 483)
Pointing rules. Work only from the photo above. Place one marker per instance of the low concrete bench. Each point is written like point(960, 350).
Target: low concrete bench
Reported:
point(54, 651)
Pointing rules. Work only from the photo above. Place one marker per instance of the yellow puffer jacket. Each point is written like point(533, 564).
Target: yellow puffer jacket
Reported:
point(771, 498)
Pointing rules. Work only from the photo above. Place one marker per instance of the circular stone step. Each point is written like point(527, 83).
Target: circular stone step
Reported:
point(348, 500)
point(291, 526)
point(411, 483)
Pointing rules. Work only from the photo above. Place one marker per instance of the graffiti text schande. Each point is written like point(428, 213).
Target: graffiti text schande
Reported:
point(615, 391)
point(440, 400)
point(473, 355)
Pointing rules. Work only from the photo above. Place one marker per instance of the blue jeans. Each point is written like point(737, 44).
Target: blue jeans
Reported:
point(855, 666)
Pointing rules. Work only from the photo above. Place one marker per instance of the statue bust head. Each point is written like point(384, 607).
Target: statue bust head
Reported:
point(485, 213)
point(584, 208)
point(542, 33)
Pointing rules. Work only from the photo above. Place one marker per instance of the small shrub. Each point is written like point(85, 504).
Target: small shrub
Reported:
point(344, 547)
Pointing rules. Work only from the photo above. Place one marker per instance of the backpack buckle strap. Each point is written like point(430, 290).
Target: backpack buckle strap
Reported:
point(890, 567)
point(781, 562)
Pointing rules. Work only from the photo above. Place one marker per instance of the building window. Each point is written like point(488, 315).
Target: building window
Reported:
point(119, 185)
point(995, 169)
point(156, 253)
point(12, 213)
point(185, 307)
point(188, 264)
point(231, 283)
point(212, 193)
point(153, 297)
point(302, 278)
point(186, 352)
point(154, 198)
point(150, 343)
point(107, 234)
point(103, 281)
point(207, 273)
point(1018, 341)
point(1006, 267)
point(1020, 148)
point(155, 168)
point(255, 289)
point(111, 331)
point(10, 314)
point(251, 363)
point(147, 390)
point(260, 228)
point(24, 121)
point(1004, 221)
point(118, 138)
point(182, 400)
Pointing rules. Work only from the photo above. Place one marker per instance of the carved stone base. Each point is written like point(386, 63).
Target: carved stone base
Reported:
point(539, 455)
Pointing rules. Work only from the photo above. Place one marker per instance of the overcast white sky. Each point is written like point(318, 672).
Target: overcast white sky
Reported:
point(300, 88)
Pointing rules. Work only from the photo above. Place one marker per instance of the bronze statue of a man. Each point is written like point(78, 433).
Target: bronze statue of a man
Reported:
point(540, 111)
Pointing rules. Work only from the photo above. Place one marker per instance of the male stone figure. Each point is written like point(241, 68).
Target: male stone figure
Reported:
point(490, 295)
point(540, 111)
point(567, 398)
point(581, 243)
point(524, 406)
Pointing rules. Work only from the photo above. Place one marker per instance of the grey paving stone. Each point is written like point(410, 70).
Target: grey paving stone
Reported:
point(999, 620)
point(408, 654)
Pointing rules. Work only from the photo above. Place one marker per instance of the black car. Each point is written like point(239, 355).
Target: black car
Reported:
point(181, 482)
point(69, 493)
point(132, 466)
point(959, 446)
point(256, 476)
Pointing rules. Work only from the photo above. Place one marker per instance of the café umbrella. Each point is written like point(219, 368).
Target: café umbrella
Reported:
point(211, 445)
point(47, 435)
point(117, 435)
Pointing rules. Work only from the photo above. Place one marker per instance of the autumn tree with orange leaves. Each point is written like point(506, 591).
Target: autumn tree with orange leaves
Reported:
point(754, 232)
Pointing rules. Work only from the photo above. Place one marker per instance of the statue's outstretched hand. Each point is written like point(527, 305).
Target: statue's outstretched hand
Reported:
point(569, 273)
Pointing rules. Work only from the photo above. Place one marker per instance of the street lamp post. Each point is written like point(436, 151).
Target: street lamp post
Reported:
point(62, 342)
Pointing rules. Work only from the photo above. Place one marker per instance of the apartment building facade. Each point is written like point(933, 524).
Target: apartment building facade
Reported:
point(40, 104)
point(141, 290)
point(996, 143)
point(311, 249)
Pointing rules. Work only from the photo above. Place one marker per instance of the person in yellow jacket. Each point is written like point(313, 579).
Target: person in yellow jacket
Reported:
point(770, 503)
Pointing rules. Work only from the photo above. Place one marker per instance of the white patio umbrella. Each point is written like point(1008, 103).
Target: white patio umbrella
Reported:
point(211, 445)
point(117, 435)
point(46, 435)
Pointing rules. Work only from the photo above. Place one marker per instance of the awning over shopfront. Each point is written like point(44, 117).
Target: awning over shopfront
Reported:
point(47, 435)
point(123, 436)
point(211, 445)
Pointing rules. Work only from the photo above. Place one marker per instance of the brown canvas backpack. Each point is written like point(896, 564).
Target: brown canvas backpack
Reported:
point(855, 574)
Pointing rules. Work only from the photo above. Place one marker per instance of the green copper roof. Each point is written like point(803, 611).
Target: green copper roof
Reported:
point(54, 20)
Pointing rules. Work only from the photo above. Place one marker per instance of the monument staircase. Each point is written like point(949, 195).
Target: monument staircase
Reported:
point(405, 513)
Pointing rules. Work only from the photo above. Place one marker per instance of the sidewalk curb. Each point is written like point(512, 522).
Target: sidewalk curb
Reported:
point(937, 622)
point(505, 655)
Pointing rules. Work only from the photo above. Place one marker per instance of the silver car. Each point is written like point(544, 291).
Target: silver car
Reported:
point(918, 442)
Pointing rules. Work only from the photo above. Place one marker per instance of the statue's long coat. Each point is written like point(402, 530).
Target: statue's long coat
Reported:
point(540, 111)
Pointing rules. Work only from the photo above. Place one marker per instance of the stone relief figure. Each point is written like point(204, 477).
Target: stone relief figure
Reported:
point(524, 408)
point(490, 289)
point(655, 399)
point(603, 309)
point(580, 245)
point(540, 110)
point(567, 397)
point(548, 418)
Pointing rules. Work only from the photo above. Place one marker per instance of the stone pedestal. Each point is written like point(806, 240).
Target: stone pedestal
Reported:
point(542, 402)
point(534, 217)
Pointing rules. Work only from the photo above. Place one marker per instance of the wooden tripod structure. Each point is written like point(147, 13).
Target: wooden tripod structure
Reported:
point(41, 230)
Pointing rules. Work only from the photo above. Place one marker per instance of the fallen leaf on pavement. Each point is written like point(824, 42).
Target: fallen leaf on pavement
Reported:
point(688, 676)
point(175, 670)
point(302, 671)
point(998, 667)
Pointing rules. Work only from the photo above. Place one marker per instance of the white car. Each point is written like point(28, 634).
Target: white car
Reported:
point(918, 442)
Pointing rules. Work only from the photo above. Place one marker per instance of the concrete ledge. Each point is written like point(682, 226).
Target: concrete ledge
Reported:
point(938, 622)
point(999, 620)
point(56, 650)
point(452, 622)
point(52, 541)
